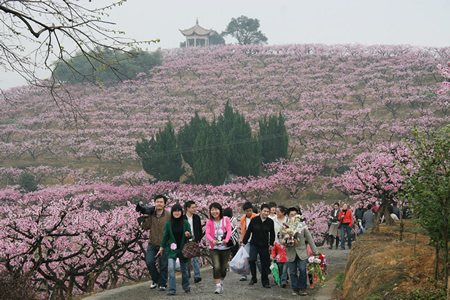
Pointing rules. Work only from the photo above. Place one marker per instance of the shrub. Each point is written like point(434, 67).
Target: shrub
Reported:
point(15, 288)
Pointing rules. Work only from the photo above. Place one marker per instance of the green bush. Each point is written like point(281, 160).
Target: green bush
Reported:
point(419, 294)
point(340, 280)
point(27, 182)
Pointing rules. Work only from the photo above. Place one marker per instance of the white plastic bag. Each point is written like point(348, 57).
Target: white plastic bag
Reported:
point(239, 264)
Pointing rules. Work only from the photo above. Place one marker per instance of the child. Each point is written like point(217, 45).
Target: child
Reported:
point(279, 254)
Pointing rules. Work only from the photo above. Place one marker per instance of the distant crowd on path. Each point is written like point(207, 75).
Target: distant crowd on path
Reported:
point(261, 237)
point(341, 221)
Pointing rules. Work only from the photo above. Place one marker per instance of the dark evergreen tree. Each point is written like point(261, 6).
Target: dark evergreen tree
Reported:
point(210, 156)
point(187, 135)
point(245, 151)
point(160, 156)
point(227, 119)
point(273, 138)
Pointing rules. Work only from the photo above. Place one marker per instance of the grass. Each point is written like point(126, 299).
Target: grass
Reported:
point(374, 296)
point(340, 280)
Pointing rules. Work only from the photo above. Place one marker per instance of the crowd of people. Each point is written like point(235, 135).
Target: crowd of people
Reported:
point(342, 221)
point(262, 235)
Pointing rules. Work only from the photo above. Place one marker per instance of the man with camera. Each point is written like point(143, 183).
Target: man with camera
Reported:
point(155, 222)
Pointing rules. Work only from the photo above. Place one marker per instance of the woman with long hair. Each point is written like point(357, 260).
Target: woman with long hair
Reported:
point(333, 231)
point(218, 233)
point(177, 231)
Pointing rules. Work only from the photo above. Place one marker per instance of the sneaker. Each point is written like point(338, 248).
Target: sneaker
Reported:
point(294, 293)
point(303, 292)
point(153, 286)
point(170, 294)
point(283, 285)
point(162, 288)
point(187, 291)
point(197, 280)
point(311, 286)
point(218, 290)
point(243, 279)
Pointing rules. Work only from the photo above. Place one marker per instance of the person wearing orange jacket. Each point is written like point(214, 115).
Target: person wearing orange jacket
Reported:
point(346, 218)
point(245, 221)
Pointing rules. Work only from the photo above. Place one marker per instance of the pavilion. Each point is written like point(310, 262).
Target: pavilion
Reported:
point(197, 36)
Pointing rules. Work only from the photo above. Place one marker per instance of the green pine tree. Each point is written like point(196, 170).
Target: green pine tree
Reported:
point(187, 135)
point(227, 119)
point(160, 156)
point(210, 156)
point(245, 151)
point(273, 138)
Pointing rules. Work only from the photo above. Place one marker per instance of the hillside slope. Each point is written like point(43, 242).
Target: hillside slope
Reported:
point(380, 266)
point(337, 100)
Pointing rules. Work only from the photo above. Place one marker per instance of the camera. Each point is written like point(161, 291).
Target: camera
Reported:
point(144, 209)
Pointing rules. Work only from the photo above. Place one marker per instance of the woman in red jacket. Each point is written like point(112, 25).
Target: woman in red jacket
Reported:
point(347, 222)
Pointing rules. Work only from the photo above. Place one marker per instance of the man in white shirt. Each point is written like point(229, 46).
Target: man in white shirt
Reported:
point(196, 229)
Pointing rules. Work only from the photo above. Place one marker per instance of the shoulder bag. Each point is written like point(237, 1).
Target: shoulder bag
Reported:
point(234, 239)
point(191, 249)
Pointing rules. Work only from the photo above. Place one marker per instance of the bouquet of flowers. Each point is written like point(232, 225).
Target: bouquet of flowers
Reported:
point(291, 231)
point(317, 266)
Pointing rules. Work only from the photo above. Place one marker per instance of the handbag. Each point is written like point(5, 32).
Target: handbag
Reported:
point(191, 249)
point(340, 224)
point(340, 221)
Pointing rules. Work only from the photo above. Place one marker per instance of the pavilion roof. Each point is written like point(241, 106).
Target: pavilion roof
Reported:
point(196, 29)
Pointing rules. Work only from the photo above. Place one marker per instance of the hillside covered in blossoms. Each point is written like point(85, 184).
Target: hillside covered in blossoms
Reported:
point(338, 101)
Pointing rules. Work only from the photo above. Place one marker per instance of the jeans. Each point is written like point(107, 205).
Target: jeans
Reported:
point(298, 282)
point(346, 228)
point(258, 262)
point(184, 267)
point(265, 262)
point(195, 266)
point(283, 271)
point(159, 278)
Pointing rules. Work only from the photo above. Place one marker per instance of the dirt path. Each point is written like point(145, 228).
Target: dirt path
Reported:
point(233, 288)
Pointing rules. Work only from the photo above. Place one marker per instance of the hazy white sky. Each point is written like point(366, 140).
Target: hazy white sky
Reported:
point(368, 22)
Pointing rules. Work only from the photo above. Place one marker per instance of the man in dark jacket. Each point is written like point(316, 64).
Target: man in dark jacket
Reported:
point(368, 218)
point(359, 213)
point(263, 235)
point(396, 210)
point(196, 228)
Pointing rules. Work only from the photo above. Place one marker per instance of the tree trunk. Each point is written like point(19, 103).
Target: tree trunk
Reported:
point(92, 278)
point(402, 228)
point(70, 287)
point(387, 217)
point(446, 263)
point(436, 263)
